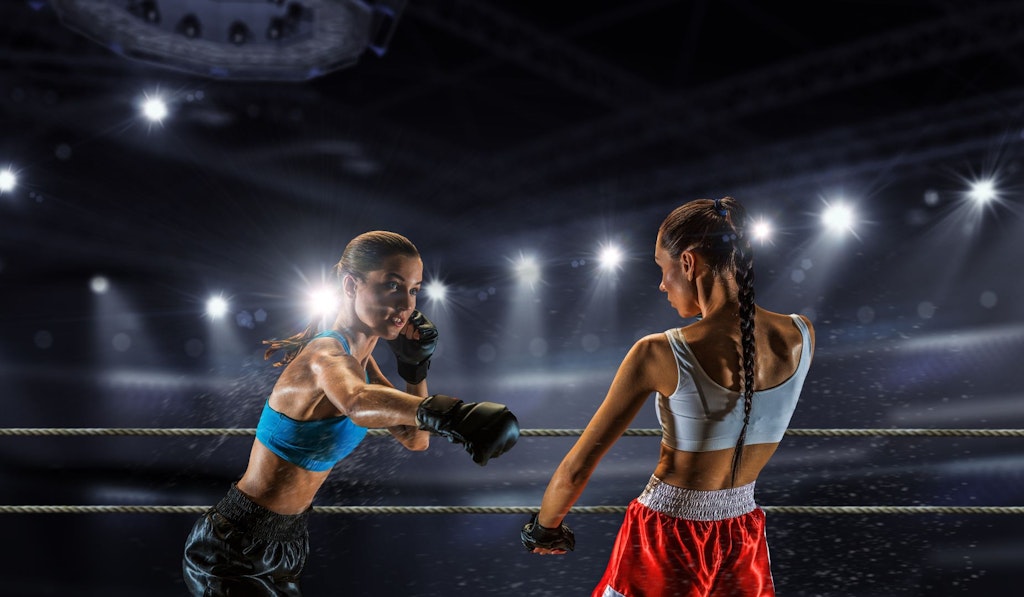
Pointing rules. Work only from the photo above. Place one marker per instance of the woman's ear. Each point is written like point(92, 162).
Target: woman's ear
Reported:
point(689, 264)
point(348, 285)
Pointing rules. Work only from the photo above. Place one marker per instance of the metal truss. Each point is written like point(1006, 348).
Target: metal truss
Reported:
point(885, 56)
point(902, 143)
point(534, 50)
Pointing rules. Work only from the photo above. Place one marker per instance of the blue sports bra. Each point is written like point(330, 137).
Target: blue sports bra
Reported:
point(312, 445)
point(701, 415)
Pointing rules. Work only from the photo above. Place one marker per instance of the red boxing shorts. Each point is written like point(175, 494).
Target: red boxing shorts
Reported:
point(679, 542)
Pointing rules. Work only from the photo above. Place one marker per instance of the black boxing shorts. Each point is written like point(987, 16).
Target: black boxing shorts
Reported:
point(240, 548)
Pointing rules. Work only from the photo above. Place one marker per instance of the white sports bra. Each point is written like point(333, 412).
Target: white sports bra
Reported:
point(701, 415)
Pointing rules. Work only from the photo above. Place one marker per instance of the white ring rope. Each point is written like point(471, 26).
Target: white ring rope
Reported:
point(212, 431)
point(186, 432)
point(863, 510)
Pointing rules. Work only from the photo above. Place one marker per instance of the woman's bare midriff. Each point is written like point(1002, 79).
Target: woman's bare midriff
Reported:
point(711, 471)
point(278, 485)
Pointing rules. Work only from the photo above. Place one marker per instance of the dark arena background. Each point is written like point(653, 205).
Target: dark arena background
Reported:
point(177, 179)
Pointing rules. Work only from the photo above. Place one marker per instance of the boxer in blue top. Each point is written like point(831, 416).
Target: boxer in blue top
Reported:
point(726, 387)
point(255, 540)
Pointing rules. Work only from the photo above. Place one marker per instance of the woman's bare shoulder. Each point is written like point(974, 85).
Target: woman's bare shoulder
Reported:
point(657, 342)
point(653, 350)
point(318, 354)
point(780, 320)
point(781, 329)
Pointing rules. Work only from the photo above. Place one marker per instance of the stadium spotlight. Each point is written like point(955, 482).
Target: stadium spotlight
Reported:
point(323, 302)
point(528, 269)
point(154, 108)
point(982, 191)
point(436, 290)
point(610, 257)
point(216, 307)
point(761, 230)
point(838, 218)
point(8, 180)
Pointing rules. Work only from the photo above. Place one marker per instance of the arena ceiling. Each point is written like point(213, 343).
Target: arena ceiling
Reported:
point(478, 113)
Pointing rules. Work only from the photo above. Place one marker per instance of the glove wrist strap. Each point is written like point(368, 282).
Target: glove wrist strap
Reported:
point(413, 374)
point(535, 535)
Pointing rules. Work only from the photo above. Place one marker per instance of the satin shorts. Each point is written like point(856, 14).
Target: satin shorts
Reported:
point(677, 542)
point(240, 548)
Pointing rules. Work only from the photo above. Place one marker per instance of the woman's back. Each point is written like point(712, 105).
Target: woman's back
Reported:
point(715, 344)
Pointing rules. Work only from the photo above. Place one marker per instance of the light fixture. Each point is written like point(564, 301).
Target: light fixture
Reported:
point(838, 217)
point(8, 180)
point(216, 307)
point(436, 291)
point(528, 269)
point(610, 257)
point(225, 38)
point(238, 33)
point(761, 230)
point(983, 191)
point(189, 26)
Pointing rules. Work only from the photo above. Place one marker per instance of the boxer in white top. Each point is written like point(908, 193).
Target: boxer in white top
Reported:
point(726, 389)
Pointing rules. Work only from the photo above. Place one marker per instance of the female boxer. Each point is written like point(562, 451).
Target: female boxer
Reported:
point(726, 389)
point(255, 540)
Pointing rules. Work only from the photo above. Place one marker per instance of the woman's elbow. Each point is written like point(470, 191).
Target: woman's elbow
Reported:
point(573, 474)
point(417, 442)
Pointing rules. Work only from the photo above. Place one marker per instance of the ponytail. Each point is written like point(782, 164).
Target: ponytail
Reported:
point(292, 345)
point(717, 229)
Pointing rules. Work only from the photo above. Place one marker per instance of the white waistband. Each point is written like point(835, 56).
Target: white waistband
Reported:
point(693, 504)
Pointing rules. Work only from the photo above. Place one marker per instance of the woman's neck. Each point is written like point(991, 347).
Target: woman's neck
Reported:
point(360, 340)
point(715, 294)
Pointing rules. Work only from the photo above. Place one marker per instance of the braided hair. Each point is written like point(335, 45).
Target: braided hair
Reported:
point(717, 230)
point(363, 254)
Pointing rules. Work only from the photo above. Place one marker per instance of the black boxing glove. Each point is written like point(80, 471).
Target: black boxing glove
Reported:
point(413, 355)
point(487, 429)
point(534, 535)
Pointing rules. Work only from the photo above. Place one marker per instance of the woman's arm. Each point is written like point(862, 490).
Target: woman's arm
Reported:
point(491, 431)
point(372, 405)
point(409, 436)
point(632, 385)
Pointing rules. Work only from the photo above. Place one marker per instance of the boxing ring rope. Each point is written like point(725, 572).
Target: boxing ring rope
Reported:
point(192, 432)
point(108, 509)
point(232, 431)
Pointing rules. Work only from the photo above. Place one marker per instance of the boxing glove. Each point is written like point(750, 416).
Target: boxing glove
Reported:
point(486, 429)
point(413, 355)
point(534, 535)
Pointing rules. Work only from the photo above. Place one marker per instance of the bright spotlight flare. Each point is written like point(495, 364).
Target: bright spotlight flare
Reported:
point(610, 257)
point(761, 230)
point(982, 191)
point(8, 180)
point(99, 284)
point(323, 302)
point(216, 307)
point(838, 218)
point(528, 269)
point(436, 290)
point(154, 108)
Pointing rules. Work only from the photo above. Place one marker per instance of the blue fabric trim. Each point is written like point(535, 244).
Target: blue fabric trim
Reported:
point(337, 336)
point(313, 445)
point(344, 343)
